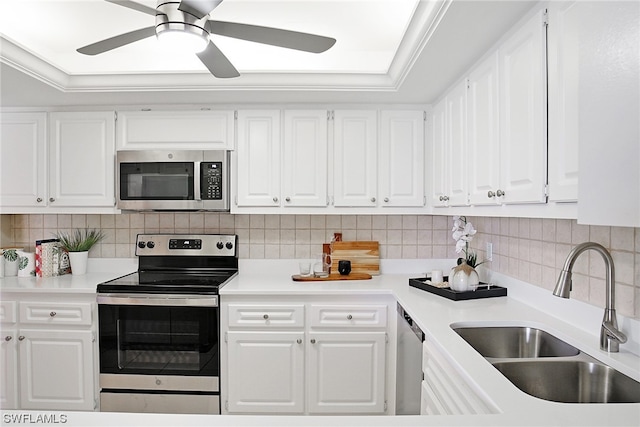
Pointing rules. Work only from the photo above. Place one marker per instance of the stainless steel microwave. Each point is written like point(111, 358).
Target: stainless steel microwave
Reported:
point(173, 180)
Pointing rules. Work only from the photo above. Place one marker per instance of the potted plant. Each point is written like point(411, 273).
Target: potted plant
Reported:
point(464, 277)
point(78, 243)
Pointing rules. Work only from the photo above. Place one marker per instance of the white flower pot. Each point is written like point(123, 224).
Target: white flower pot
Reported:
point(26, 264)
point(463, 278)
point(78, 262)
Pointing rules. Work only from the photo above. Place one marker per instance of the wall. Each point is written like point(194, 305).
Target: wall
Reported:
point(532, 250)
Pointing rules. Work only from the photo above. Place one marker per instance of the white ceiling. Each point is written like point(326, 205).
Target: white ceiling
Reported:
point(387, 51)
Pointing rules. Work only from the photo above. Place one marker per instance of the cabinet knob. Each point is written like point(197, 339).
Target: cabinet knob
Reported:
point(288, 199)
point(313, 340)
point(500, 193)
point(158, 381)
point(53, 314)
point(386, 199)
point(51, 199)
point(39, 200)
point(21, 337)
point(265, 317)
point(299, 340)
point(373, 200)
point(491, 194)
point(275, 200)
point(349, 317)
point(8, 338)
point(441, 198)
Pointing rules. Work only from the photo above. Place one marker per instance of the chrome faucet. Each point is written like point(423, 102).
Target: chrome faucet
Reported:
point(610, 335)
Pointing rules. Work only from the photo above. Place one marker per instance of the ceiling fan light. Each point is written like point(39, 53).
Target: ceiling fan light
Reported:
point(183, 40)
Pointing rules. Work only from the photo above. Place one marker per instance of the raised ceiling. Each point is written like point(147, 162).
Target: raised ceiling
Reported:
point(392, 51)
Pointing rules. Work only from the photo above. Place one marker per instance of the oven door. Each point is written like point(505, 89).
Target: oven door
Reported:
point(159, 342)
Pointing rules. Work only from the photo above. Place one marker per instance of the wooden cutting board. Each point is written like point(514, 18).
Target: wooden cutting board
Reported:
point(364, 256)
point(351, 276)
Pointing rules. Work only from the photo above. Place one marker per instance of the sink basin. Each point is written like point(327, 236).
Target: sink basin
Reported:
point(571, 381)
point(515, 342)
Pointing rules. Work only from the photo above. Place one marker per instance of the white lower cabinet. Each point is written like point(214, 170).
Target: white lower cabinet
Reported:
point(447, 392)
point(48, 355)
point(308, 357)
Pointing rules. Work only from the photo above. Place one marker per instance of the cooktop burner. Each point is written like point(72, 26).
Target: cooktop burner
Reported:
point(179, 264)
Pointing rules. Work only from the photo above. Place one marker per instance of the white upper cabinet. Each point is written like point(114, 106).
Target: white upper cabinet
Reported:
point(175, 130)
point(354, 158)
point(305, 156)
point(81, 159)
point(482, 135)
point(609, 106)
point(258, 158)
point(401, 158)
point(22, 159)
point(522, 122)
point(456, 113)
point(438, 154)
point(565, 21)
point(68, 164)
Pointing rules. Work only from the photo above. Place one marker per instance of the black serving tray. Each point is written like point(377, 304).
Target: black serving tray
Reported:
point(481, 292)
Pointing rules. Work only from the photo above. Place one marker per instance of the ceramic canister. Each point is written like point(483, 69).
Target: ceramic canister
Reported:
point(26, 264)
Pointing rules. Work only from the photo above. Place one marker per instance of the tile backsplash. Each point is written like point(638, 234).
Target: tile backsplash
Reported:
point(529, 249)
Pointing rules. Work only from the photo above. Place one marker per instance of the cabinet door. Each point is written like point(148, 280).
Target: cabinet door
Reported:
point(81, 159)
point(564, 64)
point(482, 132)
point(265, 372)
point(305, 158)
point(439, 157)
point(175, 130)
point(56, 370)
point(456, 104)
point(523, 124)
point(354, 158)
point(22, 159)
point(609, 84)
point(8, 369)
point(401, 177)
point(258, 154)
point(346, 372)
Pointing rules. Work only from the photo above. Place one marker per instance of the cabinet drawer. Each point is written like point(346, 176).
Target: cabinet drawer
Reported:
point(51, 313)
point(8, 312)
point(266, 316)
point(348, 316)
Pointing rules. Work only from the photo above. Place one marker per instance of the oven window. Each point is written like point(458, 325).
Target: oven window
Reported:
point(157, 181)
point(159, 340)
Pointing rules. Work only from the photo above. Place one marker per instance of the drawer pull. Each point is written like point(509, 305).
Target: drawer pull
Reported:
point(265, 317)
point(349, 317)
point(299, 340)
point(8, 338)
point(53, 314)
point(21, 337)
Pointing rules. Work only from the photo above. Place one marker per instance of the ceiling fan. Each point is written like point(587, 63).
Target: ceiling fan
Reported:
point(189, 19)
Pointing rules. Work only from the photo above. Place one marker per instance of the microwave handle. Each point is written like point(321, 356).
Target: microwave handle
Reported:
point(197, 194)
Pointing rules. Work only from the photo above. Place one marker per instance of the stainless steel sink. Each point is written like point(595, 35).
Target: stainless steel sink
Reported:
point(571, 381)
point(515, 342)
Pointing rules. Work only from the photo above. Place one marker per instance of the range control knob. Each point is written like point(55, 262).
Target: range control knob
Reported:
point(219, 245)
point(141, 244)
point(229, 245)
point(151, 245)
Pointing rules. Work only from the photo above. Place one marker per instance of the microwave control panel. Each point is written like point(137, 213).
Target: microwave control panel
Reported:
point(211, 185)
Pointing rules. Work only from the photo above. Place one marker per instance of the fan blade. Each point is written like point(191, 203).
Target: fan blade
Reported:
point(117, 41)
point(198, 8)
point(135, 6)
point(272, 36)
point(217, 63)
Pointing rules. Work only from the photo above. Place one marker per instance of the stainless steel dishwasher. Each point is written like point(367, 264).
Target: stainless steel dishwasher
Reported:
point(409, 365)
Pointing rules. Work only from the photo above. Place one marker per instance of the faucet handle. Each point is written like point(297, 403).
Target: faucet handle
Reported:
point(614, 332)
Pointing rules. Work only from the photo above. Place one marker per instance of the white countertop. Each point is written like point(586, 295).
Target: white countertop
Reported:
point(434, 314)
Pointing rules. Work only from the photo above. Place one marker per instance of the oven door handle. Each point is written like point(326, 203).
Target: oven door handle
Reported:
point(168, 300)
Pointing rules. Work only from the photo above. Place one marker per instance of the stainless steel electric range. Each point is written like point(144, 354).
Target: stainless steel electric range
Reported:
point(159, 327)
